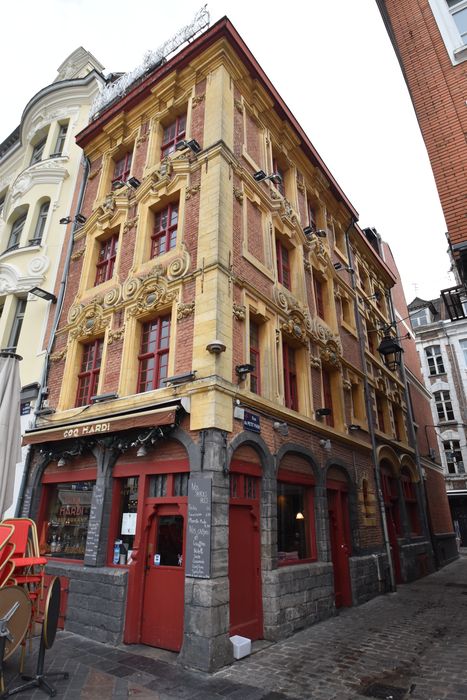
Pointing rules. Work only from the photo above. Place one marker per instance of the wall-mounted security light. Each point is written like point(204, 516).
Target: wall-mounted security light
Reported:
point(141, 451)
point(354, 427)
point(242, 370)
point(260, 176)
point(61, 462)
point(134, 182)
point(281, 427)
point(193, 145)
point(309, 232)
point(65, 220)
point(43, 294)
point(322, 412)
point(326, 444)
point(339, 266)
point(99, 398)
point(80, 219)
point(215, 347)
point(180, 378)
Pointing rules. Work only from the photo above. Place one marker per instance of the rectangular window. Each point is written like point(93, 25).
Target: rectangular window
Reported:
point(255, 374)
point(172, 134)
point(290, 377)
point(327, 396)
point(380, 413)
point(443, 405)
point(421, 317)
point(458, 11)
point(283, 264)
point(88, 377)
point(164, 235)
point(106, 260)
point(122, 169)
point(124, 537)
point(40, 224)
point(294, 522)
point(68, 519)
point(154, 356)
point(312, 216)
point(463, 346)
point(15, 233)
point(453, 454)
point(61, 138)
point(278, 170)
point(17, 324)
point(37, 151)
point(435, 360)
point(2, 203)
point(319, 296)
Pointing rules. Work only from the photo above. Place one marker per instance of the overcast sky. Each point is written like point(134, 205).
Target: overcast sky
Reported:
point(333, 64)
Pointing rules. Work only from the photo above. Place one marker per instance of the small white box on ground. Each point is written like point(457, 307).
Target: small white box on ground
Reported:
point(241, 646)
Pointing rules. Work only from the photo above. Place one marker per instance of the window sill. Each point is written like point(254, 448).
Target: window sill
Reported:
point(295, 562)
point(64, 560)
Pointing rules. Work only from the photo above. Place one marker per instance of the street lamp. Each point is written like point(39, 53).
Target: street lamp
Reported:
point(391, 352)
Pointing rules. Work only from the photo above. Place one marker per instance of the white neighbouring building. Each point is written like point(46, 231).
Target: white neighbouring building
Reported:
point(442, 346)
point(40, 167)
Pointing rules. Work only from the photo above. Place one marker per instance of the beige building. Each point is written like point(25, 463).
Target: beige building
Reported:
point(40, 170)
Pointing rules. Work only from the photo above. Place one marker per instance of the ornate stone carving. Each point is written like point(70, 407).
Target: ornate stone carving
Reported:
point(197, 99)
point(238, 194)
point(185, 310)
point(91, 321)
point(321, 333)
point(300, 186)
point(295, 328)
point(38, 265)
point(330, 354)
point(77, 254)
point(239, 105)
point(315, 362)
point(307, 265)
point(116, 334)
point(109, 204)
point(130, 287)
point(239, 311)
point(179, 266)
point(190, 191)
point(112, 297)
point(152, 295)
point(130, 223)
point(347, 384)
point(93, 173)
point(74, 312)
point(57, 356)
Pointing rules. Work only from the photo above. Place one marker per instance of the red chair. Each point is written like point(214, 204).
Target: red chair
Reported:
point(29, 564)
point(7, 550)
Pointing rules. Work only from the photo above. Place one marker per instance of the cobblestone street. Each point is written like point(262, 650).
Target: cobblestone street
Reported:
point(411, 644)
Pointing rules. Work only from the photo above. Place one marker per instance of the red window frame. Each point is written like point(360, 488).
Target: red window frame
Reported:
point(327, 395)
point(255, 358)
point(173, 132)
point(106, 261)
point(287, 476)
point(154, 354)
point(88, 377)
point(290, 377)
point(122, 168)
point(283, 264)
point(164, 235)
point(319, 296)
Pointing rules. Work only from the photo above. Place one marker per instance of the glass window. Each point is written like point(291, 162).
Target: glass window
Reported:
point(453, 454)
point(463, 345)
point(255, 361)
point(327, 395)
point(318, 288)
point(15, 233)
point(164, 235)
point(17, 324)
point(283, 264)
point(2, 203)
point(294, 525)
point(125, 536)
point(68, 519)
point(154, 355)
point(290, 377)
point(106, 260)
point(40, 224)
point(169, 540)
point(37, 151)
point(172, 134)
point(420, 318)
point(443, 405)
point(88, 378)
point(122, 170)
point(458, 11)
point(277, 169)
point(61, 138)
point(435, 360)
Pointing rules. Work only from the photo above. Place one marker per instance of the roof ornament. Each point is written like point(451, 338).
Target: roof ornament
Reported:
point(151, 59)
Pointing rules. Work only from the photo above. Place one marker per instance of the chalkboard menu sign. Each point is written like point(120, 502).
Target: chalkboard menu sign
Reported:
point(198, 546)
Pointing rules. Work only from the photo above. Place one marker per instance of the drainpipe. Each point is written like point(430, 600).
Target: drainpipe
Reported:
point(369, 411)
point(58, 309)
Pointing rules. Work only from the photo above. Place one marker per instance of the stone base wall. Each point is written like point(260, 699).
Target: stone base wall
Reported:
point(295, 597)
point(369, 576)
point(96, 600)
point(445, 548)
point(416, 560)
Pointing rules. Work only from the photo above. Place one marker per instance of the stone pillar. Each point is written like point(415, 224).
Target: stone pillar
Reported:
point(95, 553)
point(206, 644)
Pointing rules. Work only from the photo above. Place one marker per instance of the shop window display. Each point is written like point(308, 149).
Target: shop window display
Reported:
point(68, 520)
point(294, 527)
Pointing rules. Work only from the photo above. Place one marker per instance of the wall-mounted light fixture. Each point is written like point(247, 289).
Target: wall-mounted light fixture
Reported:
point(242, 370)
point(310, 231)
point(99, 398)
point(61, 462)
point(390, 351)
point(193, 145)
point(260, 176)
point(131, 182)
point(141, 451)
point(322, 412)
point(134, 182)
point(326, 444)
point(180, 378)
point(79, 219)
point(215, 347)
point(299, 516)
point(281, 427)
point(354, 427)
point(43, 294)
point(339, 266)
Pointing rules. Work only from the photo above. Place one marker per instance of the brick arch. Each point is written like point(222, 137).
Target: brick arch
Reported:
point(253, 442)
point(307, 455)
point(389, 457)
point(407, 463)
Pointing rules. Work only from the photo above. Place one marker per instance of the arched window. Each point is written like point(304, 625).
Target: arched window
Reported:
point(16, 231)
point(40, 224)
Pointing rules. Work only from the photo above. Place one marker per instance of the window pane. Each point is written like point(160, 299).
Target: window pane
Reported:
point(292, 529)
point(68, 519)
point(169, 540)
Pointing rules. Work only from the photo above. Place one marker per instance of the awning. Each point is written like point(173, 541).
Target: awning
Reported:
point(158, 416)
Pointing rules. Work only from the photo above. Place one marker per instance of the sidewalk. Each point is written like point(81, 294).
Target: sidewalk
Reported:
point(409, 645)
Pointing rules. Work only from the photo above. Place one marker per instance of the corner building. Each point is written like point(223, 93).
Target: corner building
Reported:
point(207, 467)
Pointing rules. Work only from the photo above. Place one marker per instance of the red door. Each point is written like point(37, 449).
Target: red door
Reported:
point(164, 576)
point(339, 533)
point(246, 610)
point(391, 504)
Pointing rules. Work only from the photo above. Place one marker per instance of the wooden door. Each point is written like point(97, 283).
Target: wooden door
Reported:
point(339, 534)
point(164, 576)
point(246, 610)
point(393, 542)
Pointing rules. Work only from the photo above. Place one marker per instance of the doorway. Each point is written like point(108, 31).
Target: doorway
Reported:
point(339, 535)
